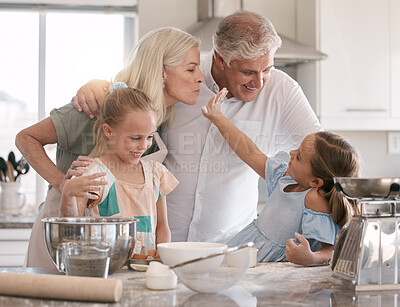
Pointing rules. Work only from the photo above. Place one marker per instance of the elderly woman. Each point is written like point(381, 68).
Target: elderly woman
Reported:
point(165, 65)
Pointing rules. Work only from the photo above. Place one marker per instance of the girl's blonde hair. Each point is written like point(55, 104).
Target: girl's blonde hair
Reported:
point(335, 157)
point(113, 110)
point(163, 47)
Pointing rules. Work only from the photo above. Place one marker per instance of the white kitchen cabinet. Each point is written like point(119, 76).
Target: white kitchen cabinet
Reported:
point(395, 49)
point(360, 80)
point(13, 246)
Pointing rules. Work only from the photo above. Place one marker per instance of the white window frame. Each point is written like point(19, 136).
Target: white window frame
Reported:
point(127, 8)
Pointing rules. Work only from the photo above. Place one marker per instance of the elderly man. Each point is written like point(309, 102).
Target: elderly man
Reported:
point(217, 195)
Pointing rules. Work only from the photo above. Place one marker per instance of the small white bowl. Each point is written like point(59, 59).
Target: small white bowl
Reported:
point(236, 259)
point(160, 277)
point(161, 282)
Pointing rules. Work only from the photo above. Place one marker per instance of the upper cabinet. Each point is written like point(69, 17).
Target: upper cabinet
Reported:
point(395, 58)
point(360, 81)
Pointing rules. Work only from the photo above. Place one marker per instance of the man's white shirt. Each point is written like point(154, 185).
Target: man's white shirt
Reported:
point(217, 193)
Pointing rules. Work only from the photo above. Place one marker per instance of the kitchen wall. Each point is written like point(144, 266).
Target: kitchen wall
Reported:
point(161, 13)
point(294, 18)
point(372, 145)
point(290, 18)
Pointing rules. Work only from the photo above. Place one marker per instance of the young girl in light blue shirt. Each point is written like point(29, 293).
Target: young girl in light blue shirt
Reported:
point(303, 202)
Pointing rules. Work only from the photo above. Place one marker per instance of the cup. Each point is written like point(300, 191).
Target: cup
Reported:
point(253, 257)
point(11, 200)
point(84, 259)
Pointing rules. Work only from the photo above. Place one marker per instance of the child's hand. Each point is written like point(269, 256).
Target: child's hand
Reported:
point(213, 110)
point(83, 185)
point(73, 170)
point(299, 253)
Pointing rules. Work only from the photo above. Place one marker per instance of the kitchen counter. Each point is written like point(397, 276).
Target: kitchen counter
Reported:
point(270, 284)
point(21, 221)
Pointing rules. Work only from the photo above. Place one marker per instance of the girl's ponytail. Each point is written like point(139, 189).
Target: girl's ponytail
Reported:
point(340, 207)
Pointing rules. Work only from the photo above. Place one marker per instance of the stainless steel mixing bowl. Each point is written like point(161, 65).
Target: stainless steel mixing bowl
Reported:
point(119, 233)
point(368, 188)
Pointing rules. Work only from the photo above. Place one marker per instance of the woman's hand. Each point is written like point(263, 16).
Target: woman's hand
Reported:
point(213, 110)
point(73, 170)
point(90, 96)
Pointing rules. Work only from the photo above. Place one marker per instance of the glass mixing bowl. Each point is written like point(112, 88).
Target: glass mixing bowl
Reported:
point(232, 265)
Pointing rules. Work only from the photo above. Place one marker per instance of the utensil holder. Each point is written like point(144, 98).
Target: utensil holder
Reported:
point(11, 199)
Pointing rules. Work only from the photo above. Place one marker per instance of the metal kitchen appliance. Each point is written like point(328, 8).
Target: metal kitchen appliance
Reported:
point(367, 250)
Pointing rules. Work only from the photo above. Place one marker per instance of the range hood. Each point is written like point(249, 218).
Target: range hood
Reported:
point(291, 52)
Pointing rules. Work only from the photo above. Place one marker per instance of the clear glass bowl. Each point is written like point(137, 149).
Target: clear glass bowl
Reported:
point(227, 268)
point(85, 259)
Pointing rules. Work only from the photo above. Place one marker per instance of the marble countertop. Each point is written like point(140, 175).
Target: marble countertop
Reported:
point(269, 284)
point(22, 221)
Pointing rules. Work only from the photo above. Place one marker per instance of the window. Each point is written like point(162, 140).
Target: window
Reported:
point(44, 58)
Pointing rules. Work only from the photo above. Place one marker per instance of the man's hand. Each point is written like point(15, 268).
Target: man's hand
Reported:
point(213, 110)
point(90, 96)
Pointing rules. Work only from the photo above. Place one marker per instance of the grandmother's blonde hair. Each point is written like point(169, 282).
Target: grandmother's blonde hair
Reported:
point(163, 47)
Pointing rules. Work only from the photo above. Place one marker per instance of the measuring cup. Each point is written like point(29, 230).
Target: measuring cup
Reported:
point(84, 259)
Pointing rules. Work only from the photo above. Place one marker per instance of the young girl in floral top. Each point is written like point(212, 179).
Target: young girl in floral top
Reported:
point(119, 183)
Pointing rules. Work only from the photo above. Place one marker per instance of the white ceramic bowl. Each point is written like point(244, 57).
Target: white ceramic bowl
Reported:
point(177, 252)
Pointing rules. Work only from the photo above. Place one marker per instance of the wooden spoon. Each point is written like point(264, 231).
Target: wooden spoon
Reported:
point(10, 171)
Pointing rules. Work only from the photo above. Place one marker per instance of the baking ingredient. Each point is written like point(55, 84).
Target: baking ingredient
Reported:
point(160, 277)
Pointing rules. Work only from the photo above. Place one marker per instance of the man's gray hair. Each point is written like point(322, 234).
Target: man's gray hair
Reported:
point(245, 35)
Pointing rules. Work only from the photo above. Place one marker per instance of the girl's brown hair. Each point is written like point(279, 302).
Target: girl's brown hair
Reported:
point(335, 157)
point(115, 106)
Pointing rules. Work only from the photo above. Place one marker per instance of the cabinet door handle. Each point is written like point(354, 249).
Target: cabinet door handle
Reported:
point(365, 110)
